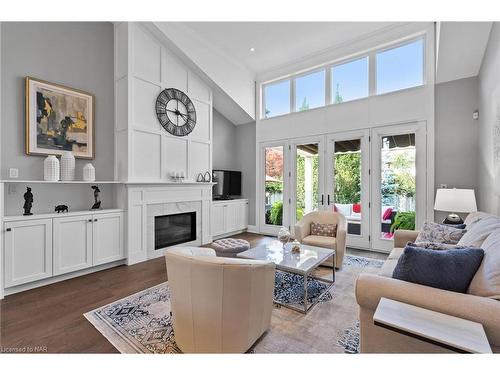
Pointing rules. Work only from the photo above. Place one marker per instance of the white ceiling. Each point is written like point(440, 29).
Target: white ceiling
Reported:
point(280, 43)
point(460, 49)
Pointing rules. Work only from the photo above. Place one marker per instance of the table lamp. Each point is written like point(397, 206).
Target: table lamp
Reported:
point(455, 200)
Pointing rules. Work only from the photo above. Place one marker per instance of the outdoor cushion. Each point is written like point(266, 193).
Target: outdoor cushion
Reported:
point(387, 214)
point(344, 209)
point(356, 208)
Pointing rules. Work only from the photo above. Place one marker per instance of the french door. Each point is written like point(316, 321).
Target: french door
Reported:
point(375, 177)
point(348, 183)
point(399, 181)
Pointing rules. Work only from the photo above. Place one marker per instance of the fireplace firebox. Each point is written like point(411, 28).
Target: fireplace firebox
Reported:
point(174, 229)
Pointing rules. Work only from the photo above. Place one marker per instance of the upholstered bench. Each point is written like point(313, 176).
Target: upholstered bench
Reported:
point(229, 247)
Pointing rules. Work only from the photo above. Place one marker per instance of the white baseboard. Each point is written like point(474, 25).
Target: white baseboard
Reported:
point(134, 258)
point(253, 229)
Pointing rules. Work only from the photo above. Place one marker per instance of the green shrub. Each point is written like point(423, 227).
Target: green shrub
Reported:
point(404, 220)
point(277, 213)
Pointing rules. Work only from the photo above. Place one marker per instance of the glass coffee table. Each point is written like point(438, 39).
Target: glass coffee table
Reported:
point(303, 263)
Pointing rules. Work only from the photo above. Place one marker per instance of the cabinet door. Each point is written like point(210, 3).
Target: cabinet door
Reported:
point(218, 220)
point(72, 243)
point(28, 251)
point(107, 234)
point(232, 217)
point(244, 216)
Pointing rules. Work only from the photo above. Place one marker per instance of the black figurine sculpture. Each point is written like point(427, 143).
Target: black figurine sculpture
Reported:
point(97, 203)
point(28, 202)
point(61, 208)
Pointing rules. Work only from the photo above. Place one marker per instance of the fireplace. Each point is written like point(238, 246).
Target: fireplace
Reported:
point(174, 229)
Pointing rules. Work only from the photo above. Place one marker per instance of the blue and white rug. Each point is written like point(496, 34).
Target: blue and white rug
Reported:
point(142, 322)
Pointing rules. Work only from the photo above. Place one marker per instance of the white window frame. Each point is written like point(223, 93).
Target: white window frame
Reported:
point(263, 94)
point(398, 45)
point(372, 74)
point(347, 61)
point(293, 102)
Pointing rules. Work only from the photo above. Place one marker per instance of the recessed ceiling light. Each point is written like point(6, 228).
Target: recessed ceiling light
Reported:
point(252, 49)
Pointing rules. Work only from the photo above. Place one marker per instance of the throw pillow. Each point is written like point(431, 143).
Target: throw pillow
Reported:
point(440, 233)
point(434, 245)
point(477, 232)
point(486, 281)
point(356, 208)
point(387, 214)
point(457, 226)
point(447, 269)
point(325, 230)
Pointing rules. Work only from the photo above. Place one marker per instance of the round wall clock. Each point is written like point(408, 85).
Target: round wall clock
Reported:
point(176, 112)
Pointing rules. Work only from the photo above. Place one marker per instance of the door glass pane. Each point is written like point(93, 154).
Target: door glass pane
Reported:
point(277, 99)
point(310, 91)
point(350, 81)
point(307, 173)
point(347, 175)
point(398, 188)
point(274, 185)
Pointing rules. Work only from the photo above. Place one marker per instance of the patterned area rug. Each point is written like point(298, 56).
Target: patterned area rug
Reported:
point(142, 322)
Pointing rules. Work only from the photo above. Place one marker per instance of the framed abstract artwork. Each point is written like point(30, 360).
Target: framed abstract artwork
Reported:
point(58, 119)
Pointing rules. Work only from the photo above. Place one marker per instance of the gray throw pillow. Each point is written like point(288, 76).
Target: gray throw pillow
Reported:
point(440, 233)
point(447, 269)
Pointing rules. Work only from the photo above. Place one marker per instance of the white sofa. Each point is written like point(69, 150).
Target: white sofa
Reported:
point(219, 305)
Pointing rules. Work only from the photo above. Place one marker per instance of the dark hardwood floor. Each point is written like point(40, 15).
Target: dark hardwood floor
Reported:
point(50, 318)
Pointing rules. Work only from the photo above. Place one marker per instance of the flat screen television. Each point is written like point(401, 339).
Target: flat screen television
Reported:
point(228, 183)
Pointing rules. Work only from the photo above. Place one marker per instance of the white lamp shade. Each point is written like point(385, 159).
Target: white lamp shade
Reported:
point(455, 200)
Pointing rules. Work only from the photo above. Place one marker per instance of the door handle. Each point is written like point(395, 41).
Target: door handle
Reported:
point(95, 219)
point(328, 199)
point(90, 220)
point(8, 229)
point(322, 199)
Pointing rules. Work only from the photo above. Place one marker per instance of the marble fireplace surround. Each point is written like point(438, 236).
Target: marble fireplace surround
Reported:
point(145, 201)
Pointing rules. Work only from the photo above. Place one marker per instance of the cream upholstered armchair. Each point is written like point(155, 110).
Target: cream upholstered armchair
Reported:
point(219, 305)
point(303, 234)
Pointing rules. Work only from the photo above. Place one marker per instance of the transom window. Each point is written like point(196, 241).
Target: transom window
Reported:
point(397, 68)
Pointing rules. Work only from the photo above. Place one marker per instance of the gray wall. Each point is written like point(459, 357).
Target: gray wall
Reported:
point(489, 117)
point(76, 54)
point(245, 143)
point(456, 135)
point(224, 149)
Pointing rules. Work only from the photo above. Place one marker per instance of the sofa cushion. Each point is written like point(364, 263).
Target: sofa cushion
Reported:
point(439, 233)
point(320, 241)
point(388, 267)
point(435, 246)
point(479, 230)
point(327, 230)
point(486, 281)
point(396, 253)
point(447, 269)
point(474, 217)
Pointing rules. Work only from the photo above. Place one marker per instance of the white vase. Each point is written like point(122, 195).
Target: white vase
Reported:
point(88, 172)
point(51, 168)
point(67, 166)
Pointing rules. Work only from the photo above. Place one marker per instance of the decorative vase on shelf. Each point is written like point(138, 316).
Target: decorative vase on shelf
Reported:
point(88, 172)
point(51, 168)
point(67, 166)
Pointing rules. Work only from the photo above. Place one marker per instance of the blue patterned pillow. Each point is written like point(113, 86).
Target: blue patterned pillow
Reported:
point(446, 269)
point(440, 233)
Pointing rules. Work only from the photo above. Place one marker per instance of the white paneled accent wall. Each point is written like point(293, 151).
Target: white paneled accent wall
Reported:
point(144, 150)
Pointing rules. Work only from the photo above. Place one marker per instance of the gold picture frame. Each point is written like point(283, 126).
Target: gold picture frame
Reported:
point(58, 119)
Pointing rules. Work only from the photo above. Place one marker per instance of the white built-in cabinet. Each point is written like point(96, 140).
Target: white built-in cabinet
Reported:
point(229, 216)
point(37, 249)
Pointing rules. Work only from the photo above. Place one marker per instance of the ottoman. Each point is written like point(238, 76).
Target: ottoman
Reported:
point(229, 247)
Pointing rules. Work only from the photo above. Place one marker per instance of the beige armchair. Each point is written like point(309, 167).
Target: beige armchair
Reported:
point(303, 234)
point(219, 305)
